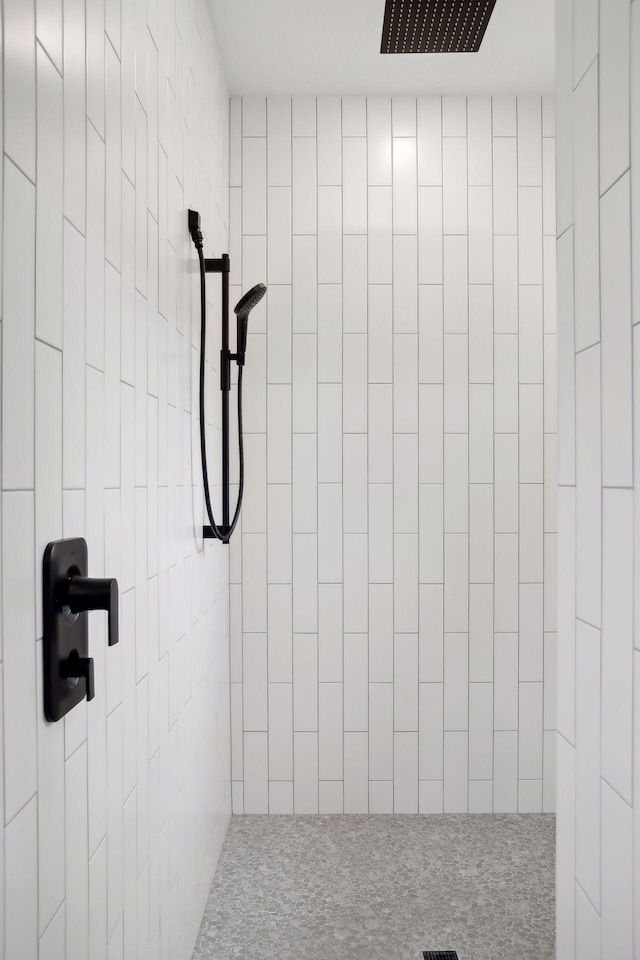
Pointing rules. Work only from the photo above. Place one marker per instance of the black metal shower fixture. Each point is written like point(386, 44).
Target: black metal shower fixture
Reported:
point(242, 310)
point(435, 26)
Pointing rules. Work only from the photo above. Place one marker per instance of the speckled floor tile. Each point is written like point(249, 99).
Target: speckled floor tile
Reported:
point(382, 888)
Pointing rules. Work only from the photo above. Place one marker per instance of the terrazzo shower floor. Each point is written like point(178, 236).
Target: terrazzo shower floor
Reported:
point(382, 888)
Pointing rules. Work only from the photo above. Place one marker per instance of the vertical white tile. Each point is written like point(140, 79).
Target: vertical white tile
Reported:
point(379, 141)
point(20, 86)
point(254, 681)
point(329, 333)
point(430, 347)
point(481, 438)
point(305, 306)
point(18, 628)
point(256, 789)
point(617, 873)
point(18, 329)
point(405, 284)
point(431, 438)
point(329, 237)
point(329, 133)
point(587, 812)
point(405, 773)
point(254, 185)
point(305, 772)
point(617, 644)
point(380, 335)
point(454, 184)
point(480, 632)
point(506, 581)
point(330, 732)
point(530, 341)
point(505, 186)
point(456, 306)
point(504, 116)
point(456, 480)
point(76, 853)
point(505, 284)
point(405, 586)
point(279, 249)
point(479, 140)
point(480, 235)
point(613, 63)
point(304, 184)
point(354, 283)
point(530, 731)
point(456, 378)
point(381, 731)
point(480, 731)
point(330, 527)
point(305, 495)
point(529, 110)
point(531, 434)
point(380, 438)
point(429, 141)
point(354, 117)
point(456, 749)
point(356, 775)
point(586, 219)
point(431, 743)
point(456, 681)
point(21, 867)
point(430, 234)
point(615, 314)
point(456, 582)
point(379, 238)
point(505, 772)
point(405, 677)
point(405, 491)
point(565, 847)
point(480, 533)
point(330, 635)
point(355, 483)
point(354, 183)
point(305, 580)
point(588, 491)
point(530, 234)
point(355, 582)
point(405, 196)
point(49, 179)
point(454, 116)
point(329, 433)
point(354, 353)
point(380, 632)
point(278, 141)
point(305, 682)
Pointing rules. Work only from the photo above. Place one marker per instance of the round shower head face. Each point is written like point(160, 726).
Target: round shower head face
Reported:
point(246, 304)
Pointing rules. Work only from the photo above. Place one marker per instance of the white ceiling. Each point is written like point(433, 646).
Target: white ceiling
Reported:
point(321, 47)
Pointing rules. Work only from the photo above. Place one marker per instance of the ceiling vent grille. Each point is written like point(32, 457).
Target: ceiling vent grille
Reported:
point(435, 26)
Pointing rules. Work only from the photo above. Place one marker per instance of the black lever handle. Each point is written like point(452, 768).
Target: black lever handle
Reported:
point(81, 668)
point(91, 593)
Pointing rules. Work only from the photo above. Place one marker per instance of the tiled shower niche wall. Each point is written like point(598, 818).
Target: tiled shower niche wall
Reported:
point(393, 592)
point(115, 121)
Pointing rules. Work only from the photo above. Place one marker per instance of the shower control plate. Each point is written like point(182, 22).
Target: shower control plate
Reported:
point(65, 633)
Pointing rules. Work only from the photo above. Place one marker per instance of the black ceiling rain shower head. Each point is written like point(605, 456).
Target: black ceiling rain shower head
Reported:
point(435, 26)
point(242, 310)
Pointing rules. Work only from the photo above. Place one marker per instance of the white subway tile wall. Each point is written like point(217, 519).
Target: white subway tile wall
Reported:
point(115, 121)
point(598, 705)
point(403, 570)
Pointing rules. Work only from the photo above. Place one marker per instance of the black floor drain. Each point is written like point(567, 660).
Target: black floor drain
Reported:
point(439, 955)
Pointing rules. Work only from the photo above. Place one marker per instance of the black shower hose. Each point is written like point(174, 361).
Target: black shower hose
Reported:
point(217, 532)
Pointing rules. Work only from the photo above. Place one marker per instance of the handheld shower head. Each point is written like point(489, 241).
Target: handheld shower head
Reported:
point(242, 310)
